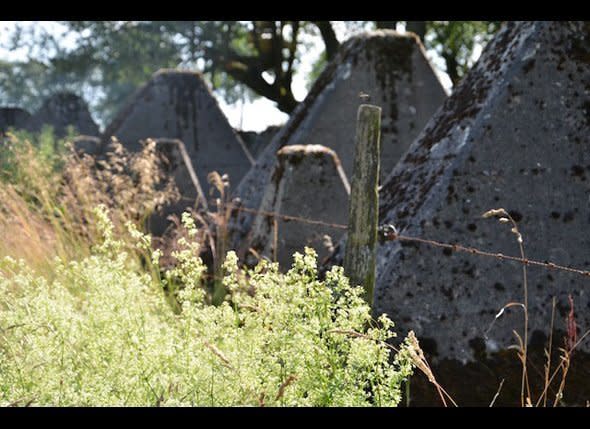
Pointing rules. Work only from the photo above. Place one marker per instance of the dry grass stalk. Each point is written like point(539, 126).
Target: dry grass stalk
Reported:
point(420, 361)
point(504, 217)
point(219, 354)
point(548, 352)
point(290, 379)
point(220, 218)
point(571, 341)
point(497, 393)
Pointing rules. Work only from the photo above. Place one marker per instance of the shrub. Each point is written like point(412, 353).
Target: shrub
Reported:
point(102, 333)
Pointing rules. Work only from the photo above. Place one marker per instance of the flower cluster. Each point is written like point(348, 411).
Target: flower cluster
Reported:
point(101, 332)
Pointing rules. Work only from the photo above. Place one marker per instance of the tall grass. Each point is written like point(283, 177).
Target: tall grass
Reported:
point(48, 193)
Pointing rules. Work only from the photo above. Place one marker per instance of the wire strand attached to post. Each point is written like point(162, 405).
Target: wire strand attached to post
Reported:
point(388, 232)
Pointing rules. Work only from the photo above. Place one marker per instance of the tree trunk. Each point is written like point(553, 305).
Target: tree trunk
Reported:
point(452, 67)
point(286, 102)
point(193, 43)
point(417, 27)
point(329, 37)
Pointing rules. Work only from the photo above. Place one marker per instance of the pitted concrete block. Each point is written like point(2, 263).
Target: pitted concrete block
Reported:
point(393, 70)
point(514, 134)
point(90, 145)
point(177, 104)
point(13, 117)
point(256, 142)
point(307, 182)
point(63, 110)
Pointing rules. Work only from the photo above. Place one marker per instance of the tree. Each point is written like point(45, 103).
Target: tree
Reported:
point(108, 60)
point(263, 61)
point(454, 41)
point(114, 58)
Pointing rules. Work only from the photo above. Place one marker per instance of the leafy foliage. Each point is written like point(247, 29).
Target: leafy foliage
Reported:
point(19, 148)
point(102, 333)
point(107, 60)
point(455, 41)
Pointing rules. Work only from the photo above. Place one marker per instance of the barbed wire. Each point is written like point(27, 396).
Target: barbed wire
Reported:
point(292, 218)
point(453, 247)
point(500, 256)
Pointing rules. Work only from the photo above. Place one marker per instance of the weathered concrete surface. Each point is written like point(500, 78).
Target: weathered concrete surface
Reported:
point(13, 117)
point(257, 142)
point(177, 164)
point(393, 70)
point(62, 110)
point(90, 145)
point(179, 105)
point(514, 134)
point(307, 181)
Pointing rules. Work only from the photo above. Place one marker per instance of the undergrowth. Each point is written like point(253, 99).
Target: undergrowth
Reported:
point(91, 314)
point(102, 332)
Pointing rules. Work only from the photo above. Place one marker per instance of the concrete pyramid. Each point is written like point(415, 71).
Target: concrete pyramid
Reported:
point(514, 134)
point(13, 117)
point(257, 141)
point(61, 110)
point(307, 181)
point(177, 164)
point(178, 104)
point(393, 70)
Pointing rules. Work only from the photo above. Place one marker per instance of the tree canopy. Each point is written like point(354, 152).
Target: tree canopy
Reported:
point(105, 61)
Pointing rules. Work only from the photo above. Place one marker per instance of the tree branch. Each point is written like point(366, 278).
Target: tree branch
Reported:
point(292, 49)
point(329, 36)
point(452, 66)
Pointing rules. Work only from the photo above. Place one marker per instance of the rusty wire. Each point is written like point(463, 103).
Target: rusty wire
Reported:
point(434, 243)
point(294, 218)
point(499, 256)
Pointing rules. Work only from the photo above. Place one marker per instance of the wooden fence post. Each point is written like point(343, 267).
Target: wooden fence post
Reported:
point(361, 245)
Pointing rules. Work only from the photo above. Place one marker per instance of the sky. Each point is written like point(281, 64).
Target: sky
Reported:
point(261, 113)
